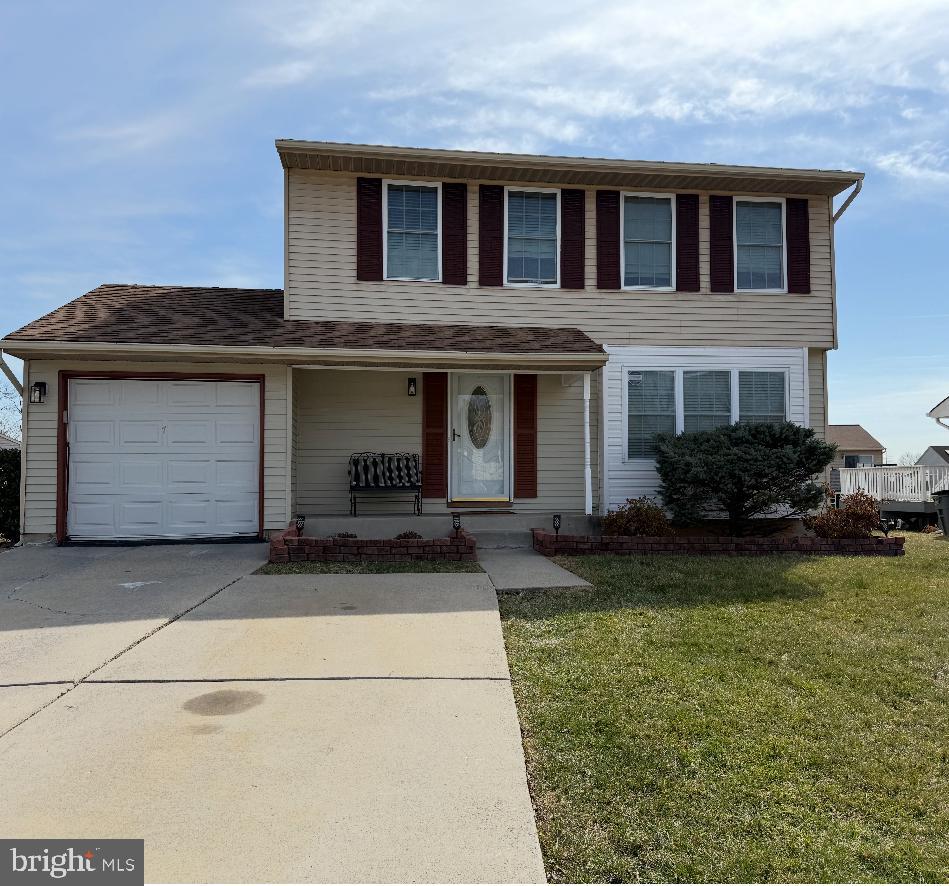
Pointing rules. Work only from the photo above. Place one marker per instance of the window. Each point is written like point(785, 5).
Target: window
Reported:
point(759, 245)
point(858, 461)
point(647, 242)
point(651, 410)
point(706, 400)
point(676, 401)
point(761, 397)
point(531, 247)
point(413, 245)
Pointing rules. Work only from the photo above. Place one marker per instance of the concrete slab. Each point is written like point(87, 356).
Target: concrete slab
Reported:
point(65, 611)
point(323, 781)
point(523, 569)
point(297, 626)
point(19, 702)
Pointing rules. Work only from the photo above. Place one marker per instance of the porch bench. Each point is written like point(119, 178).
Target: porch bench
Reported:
point(385, 473)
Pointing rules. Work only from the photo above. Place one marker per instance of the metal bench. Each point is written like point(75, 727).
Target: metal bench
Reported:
point(379, 472)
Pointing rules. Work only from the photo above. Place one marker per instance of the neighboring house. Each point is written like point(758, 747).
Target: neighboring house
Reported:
point(8, 442)
point(940, 413)
point(856, 448)
point(935, 457)
point(554, 314)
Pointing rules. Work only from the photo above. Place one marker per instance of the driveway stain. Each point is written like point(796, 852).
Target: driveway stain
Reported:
point(205, 728)
point(223, 702)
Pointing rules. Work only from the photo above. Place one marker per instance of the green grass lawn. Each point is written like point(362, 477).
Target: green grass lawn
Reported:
point(375, 567)
point(739, 719)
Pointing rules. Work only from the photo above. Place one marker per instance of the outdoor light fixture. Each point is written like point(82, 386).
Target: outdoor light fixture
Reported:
point(38, 392)
point(300, 522)
point(556, 524)
point(413, 387)
point(456, 523)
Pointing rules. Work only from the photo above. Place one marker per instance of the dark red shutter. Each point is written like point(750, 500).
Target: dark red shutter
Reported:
point(572, 236)
point(490, 235)
point(434, 434)
point(687, 242)
point(525, 436)
point(368, 228)
point(721, 253)
point(798, 225)
point(607, 240)
point(455, 233)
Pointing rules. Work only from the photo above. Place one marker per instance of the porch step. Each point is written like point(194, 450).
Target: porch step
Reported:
point(496, 539)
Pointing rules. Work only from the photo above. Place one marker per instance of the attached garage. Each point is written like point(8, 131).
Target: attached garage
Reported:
point(160, 457)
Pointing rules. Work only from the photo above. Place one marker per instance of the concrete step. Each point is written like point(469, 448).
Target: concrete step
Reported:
point(496, 539)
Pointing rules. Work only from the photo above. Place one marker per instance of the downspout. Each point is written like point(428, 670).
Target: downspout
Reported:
point(858, 187)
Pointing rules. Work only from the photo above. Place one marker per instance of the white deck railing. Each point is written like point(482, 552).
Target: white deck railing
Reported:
point(916, 483)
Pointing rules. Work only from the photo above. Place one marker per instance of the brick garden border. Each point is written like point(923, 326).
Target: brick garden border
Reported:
point(551, 545)
point(290, 547)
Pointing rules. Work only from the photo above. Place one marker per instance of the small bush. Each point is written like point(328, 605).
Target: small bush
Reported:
point(857, 517)
point(639, 516)
point(409, 533)
point(10, 494)
point(345, 535)
point(930, 528)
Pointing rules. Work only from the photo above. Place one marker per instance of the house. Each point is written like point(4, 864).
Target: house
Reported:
point(940, 413)
point(526, 324)
point(935, 457)
point(856, 448)
point(8, 442)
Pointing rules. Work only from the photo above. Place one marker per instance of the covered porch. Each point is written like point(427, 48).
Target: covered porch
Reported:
point(504, 446)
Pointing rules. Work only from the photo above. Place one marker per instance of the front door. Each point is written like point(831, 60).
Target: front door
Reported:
point(480, 437)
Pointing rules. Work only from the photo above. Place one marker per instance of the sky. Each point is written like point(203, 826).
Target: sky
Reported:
point(137, 139)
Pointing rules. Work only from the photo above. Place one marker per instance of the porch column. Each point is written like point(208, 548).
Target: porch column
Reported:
point(587, 470)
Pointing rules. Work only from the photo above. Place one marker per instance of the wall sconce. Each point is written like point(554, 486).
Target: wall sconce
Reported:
point(557, 524)
point(300, 522)
point(456, 523)
point(38, 392)
point(413, 387)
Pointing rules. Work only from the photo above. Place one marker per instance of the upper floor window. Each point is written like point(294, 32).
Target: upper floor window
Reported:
point(532, 235)
point(648, 237)
point(413, 240)
point(759, 245)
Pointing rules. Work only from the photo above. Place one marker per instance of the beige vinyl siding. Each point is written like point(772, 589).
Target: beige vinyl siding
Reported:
point(322, 285)
point(817, 391)
point(340, 412)
point(40, 486)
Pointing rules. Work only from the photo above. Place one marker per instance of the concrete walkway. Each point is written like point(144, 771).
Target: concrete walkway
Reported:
point(351, 728)
point(523, 569)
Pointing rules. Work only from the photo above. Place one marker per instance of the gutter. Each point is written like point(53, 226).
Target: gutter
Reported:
point(297, 355)
point(858, 187)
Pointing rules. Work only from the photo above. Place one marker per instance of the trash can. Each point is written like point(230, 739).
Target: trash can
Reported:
point(942, 509)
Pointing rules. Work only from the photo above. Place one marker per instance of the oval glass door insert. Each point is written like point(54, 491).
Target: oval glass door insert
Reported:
point(479, 417)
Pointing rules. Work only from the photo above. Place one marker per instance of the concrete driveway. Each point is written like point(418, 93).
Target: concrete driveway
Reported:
point(261, 728)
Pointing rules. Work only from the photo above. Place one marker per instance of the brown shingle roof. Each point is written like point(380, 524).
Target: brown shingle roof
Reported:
point(852, 438)
point(176, 315)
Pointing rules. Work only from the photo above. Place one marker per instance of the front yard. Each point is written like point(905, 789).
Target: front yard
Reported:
point(749, 719)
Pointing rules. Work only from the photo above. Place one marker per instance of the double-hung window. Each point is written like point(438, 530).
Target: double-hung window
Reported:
point(413, 245)
point(759, 245)
point(675, 401)
point(532, 226)
point(648, 241)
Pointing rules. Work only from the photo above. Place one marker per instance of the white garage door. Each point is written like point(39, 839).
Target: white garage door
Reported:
point(162, 459)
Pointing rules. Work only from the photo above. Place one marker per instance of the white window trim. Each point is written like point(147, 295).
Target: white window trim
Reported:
point(622, 242)
point(784, 243)
point(507, 283)
point(679, 371)
point(385, 229)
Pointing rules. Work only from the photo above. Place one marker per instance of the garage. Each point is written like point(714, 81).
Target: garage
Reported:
point(162, 458)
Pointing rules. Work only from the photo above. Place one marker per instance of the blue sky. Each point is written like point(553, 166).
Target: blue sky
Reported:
point(137, 140)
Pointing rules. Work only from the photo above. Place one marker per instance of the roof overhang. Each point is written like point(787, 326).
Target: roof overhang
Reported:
point(434, 163)
point(940, 413)
point(351, 357)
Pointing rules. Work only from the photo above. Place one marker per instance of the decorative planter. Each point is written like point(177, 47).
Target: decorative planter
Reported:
point(291, 547)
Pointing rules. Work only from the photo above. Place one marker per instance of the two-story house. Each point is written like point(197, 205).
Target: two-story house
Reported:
point(527, 324)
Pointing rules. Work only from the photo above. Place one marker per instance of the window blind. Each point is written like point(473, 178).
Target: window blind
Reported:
point(760, 244)
point(647, 241)
point(651, 405)
point(412, 232)
point(761, 397)
point(706, 399)
point(531, 237)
